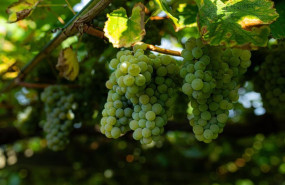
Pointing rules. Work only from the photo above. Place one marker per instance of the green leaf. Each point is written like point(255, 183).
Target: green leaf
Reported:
point(68, 64)
point(278, 27)
point(123, 31)
point(182, 13)
point(20, 10)
point(240, 23)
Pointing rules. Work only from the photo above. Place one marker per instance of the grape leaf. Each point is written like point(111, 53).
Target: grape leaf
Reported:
point(20, 10)
point(240, 23)
point(182, 13)
point(123, 31)
point(68, 64)
point(278, 27)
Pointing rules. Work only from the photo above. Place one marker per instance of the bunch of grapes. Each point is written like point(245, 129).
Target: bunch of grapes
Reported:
point(59, 106)
point(270, 81)
point(116, 115)
point(155, 103)
point(211, 77)
point(141, 95)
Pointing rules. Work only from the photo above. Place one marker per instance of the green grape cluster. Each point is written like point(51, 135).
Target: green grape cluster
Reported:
point(270, 81)
point(59, 107)
point(141, 96)
point(211, 77)
point(116, 115)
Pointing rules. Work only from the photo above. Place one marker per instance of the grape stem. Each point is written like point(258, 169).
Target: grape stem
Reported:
point(157, 18)
point(162, 50)
point(94, 32)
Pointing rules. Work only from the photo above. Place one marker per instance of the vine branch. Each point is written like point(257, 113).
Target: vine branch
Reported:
point(162, 50)
point(94, 32)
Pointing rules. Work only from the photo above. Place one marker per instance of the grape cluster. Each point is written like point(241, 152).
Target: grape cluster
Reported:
point(270, 81)
point(141, 95)
point(211, 76)
point(58, 108)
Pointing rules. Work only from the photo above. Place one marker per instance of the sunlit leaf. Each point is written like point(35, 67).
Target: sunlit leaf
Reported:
point(182, 13)
point(123, 31)
point(20, 10)
point(243, 23)
point(68, 64)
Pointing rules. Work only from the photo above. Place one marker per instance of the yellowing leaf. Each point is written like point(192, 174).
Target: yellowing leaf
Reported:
point(20, 10)
point(68, 64)
point(123, 31)
point(8, 67)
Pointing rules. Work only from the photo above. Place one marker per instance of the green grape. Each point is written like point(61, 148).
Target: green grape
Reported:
point(150, 115)
point(137, 135)
point(190, 44)
point(187, 89)
point(157, 108)
point(222, 118)
point(197, 84)
point(155, 131)
point(197, 52)
point(124, 67)
point(187, 55)
point(208, 134)
point(115, 132)
point(197, 129)
point(162, 71)
point(129, 80)
point(245, 55)
point(146, 132)
point(200, 66)
point(134, 70)
point(140, 80)
point(206, 115)
point(144, 99)
point(114, 63)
